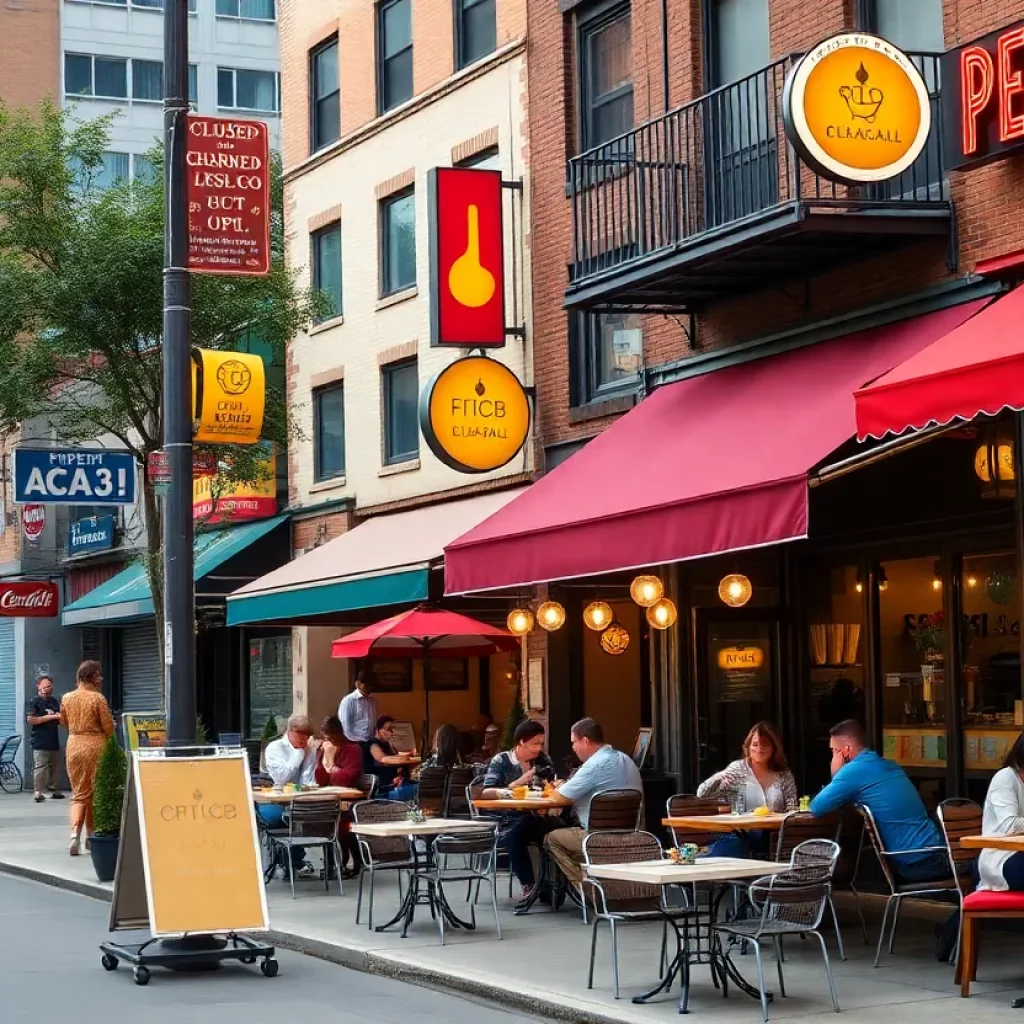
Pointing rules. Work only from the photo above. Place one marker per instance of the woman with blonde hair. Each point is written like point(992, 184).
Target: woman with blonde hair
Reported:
point(86, 715)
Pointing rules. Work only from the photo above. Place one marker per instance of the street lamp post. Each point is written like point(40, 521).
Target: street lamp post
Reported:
point(179, 591)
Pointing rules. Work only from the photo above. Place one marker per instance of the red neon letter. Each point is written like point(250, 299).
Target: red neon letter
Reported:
point(977, 75)
point(1011, 85)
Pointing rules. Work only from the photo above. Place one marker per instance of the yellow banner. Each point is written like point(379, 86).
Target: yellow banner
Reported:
point(201, 851)
point(145, 731)
point(230, 393)
point(236, 501)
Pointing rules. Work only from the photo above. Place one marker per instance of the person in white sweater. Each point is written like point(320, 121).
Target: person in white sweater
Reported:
point(1004, 816)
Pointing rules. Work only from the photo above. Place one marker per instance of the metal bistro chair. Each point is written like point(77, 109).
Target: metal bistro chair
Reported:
point(456, 804)
point(10, 774)
point(368, 784)
point(800, 827)
point(480, 850)
point(959, 817)
point(791, 903)
point(618, 902)
point(379, 853)
point(687, 805)
point(473, 791)
point(312, 821)
point(433, 790)
point(898, 890)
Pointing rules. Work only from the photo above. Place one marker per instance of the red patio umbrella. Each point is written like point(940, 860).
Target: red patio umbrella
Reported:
point(426, 633)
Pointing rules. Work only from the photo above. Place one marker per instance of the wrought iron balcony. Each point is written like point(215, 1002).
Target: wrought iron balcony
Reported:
point(710, 200)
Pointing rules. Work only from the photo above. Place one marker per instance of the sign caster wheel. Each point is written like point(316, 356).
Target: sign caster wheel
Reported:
point(269, 968)
point(141, 975)
point(109, 962)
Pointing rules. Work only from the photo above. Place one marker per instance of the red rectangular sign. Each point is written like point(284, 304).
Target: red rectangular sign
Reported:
point(467, 257)
point(30, 600)
point(228, 196)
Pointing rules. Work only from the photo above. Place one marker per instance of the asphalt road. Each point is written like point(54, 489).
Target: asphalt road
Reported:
point(50, 972)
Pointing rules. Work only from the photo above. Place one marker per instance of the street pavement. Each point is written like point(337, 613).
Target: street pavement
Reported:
point(50, 971)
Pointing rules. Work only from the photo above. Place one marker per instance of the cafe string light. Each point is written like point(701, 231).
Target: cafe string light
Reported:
point(597, 615)
point(550, 616)
point(615, 639)
point(662, 614)
point(519, 621)
point(646, 590)
point(735, 590)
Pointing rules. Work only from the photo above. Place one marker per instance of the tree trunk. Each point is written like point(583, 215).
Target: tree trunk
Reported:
point(155, 568)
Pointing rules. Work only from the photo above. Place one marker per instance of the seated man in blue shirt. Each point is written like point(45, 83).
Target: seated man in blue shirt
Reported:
point(860, 776)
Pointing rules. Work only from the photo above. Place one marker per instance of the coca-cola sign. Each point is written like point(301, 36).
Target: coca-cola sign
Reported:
point(37, 599)
point(33, 521)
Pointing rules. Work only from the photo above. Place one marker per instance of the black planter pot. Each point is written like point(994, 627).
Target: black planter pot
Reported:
point(103, 850)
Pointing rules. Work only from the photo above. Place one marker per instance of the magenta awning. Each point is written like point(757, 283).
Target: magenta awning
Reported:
point(711, 464)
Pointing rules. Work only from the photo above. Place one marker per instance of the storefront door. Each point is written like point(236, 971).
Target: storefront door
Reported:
point(737, 652)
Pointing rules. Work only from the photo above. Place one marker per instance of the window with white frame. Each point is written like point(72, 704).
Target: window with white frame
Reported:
point(118, 78)
point(248, 10)
point(115, 168)
point(242, 89)
point(150, 5)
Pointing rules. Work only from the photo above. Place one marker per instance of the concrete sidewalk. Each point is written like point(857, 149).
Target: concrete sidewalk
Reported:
point(540, 966)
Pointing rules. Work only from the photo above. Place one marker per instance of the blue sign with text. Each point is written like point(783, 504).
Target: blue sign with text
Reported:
point(73, 476)
point(93, 534)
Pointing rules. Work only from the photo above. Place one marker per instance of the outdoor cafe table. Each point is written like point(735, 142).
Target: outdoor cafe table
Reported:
point(511, 804)
point(401, 760)
point(726, 822)
point(273, 796)
point(706, 869)
point(427, 829)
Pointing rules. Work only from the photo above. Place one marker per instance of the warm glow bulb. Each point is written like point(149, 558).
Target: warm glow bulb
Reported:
point(550, 616)
point(735, 590)
point(646, 590)
point(519, 621)
point(859, 587)
point(972, 581)
point(662, 614)
point(936, 583)
point(597, 615)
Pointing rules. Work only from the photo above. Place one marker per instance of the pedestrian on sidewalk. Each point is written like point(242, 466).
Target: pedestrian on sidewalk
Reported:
point(44, 717)
point(86, 715)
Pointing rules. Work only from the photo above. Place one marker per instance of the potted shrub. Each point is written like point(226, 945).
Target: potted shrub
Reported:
point(108, 804)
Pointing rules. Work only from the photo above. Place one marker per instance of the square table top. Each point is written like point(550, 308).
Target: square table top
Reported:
point(270, 796)
point(1014, 843)
point(429, 827)
point(706, 869)
point(510, 804)
point(727, 822)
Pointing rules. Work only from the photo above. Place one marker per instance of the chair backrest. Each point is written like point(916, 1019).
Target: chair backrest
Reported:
point(813, 854)
point(9, 748)
point(230, 739)
point(687, 805)
point(473, 792)
point(615, 809)
point(958, 818)
point(368, 784)
point(312, 816)
point(457, 803)
point(877, 844)
point(432, 789)
point(481, 842)
point(796, 897)
point(800, 826)
point(623, 847)
point(381, 849)
point(261, 780)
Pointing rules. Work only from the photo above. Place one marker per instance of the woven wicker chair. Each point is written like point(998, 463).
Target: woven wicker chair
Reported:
point(615, 809)
point(312, 821)
point(456, 800)
point(689, 806)
point(382, 854)
point(433, 789)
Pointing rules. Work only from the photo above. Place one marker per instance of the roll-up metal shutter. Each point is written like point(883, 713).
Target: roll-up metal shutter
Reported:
point(8, 709)
point(270, 680)
point(142, 677)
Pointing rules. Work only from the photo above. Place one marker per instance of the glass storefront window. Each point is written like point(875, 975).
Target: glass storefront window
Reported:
point(990, 649)
point(912, 642)
point(270, 681)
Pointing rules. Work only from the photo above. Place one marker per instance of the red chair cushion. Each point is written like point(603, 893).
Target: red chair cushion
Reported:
point(986, 900)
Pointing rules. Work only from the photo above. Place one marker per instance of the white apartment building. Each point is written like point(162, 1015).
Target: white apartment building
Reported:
point(112, 60)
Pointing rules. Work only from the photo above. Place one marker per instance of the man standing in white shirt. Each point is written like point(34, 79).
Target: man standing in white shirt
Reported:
point(359, 712)
point(291, 759)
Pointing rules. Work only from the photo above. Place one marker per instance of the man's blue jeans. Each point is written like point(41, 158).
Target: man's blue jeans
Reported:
point(273, 817)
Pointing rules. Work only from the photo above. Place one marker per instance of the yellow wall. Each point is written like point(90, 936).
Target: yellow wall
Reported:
point(611, 683)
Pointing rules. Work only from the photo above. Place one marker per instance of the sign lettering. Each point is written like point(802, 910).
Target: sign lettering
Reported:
point(74, 476)
point(88, 535)
point(228, 164)
point(28, 600)
point(230, 394)
point(236, 501)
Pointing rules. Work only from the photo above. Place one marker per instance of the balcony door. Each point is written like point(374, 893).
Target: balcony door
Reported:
point(741, 151)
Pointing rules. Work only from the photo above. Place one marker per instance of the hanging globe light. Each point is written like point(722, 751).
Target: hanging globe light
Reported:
point(519, 621)
point(646, 590)
point(662, 614)
point(735, 590)
point(550, 616)
point(597, 615)
point(615, 639)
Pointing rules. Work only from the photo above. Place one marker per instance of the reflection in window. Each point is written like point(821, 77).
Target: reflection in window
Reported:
point(270, 682)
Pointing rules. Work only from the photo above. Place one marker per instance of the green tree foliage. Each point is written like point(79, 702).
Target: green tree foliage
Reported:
point(81, 297)
point(108, 800)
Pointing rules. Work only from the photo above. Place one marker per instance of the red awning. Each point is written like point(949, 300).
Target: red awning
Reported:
point(710, 464)
point(976, 369)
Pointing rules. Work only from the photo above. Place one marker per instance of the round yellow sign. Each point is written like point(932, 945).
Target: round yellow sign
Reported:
point(857, 109)
point(475, 415)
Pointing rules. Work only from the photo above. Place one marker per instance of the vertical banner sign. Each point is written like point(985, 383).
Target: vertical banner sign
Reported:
point(217, 500)
point(229, 390)
point(228, 196)
point(467, 257)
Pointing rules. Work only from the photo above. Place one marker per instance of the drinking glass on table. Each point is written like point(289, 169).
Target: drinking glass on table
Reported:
point(738, 801)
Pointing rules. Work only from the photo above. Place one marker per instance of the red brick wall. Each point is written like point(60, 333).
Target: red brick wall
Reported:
point(989, 201)
point(29, 52)
point(317, 530)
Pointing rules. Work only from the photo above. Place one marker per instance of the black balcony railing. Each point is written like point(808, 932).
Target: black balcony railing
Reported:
point(718, 162)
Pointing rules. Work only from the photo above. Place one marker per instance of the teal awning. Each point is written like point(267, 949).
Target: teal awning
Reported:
point(127, 596)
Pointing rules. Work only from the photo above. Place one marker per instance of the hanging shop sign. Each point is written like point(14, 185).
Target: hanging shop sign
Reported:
point(217, 500)
point(467, 257)
point(230, 391)
point(983, 98)
point(33, 522)
point(35, 599)
point(856, 109)
point(475, 415)
point(86, 536)
point(73, 476)
point(228, 162)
